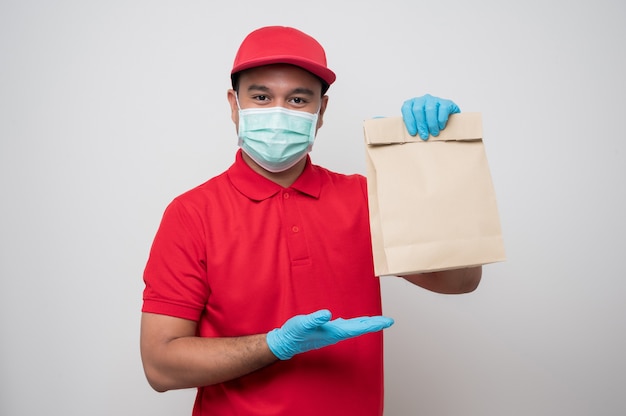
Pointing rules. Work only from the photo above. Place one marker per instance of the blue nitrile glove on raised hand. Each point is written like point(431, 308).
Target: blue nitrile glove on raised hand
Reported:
point(309, 332)
point(427, 115)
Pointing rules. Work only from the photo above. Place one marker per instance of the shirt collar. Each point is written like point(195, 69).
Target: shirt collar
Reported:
point(258, 188)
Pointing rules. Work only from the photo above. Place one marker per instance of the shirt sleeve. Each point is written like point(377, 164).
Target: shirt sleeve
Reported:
point(175, 274)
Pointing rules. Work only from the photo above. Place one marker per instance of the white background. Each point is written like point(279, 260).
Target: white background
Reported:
point(109, 109)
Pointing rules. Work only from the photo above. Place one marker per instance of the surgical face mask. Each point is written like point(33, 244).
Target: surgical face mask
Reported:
point(276, 138)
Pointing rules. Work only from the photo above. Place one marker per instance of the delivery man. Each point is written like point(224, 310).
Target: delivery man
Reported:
point(259, 288)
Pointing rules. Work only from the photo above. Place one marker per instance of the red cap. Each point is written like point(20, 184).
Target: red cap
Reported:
point(282, 45)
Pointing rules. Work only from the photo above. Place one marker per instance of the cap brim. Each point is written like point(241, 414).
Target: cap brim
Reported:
point(322, 72)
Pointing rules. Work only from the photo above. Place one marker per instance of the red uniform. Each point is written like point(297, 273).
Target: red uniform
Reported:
point(240, 255)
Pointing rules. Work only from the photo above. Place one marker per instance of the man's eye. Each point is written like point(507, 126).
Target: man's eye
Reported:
point(298, 100)
point(261, 97)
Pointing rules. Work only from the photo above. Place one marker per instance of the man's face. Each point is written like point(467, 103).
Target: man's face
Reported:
point(281, 85)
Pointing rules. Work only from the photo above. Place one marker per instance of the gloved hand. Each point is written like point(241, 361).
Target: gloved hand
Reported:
point(309, 332)
point(427, 115)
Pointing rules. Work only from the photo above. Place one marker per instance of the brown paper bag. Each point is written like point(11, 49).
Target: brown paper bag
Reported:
point(432, 203)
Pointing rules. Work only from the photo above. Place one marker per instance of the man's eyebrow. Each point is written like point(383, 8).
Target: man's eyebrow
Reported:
point(257, 87)
point(305, 91)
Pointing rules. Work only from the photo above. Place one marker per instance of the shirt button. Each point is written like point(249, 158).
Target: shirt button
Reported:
point(295, 229)
point(286, 195)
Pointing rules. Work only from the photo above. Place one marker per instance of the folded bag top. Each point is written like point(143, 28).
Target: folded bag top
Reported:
point(391, 130)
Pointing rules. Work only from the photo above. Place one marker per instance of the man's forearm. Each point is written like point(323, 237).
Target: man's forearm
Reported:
point(191, 361)
point(454, 281)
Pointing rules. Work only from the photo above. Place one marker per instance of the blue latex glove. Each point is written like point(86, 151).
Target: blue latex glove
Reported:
point(309, 332)
point(427, 115)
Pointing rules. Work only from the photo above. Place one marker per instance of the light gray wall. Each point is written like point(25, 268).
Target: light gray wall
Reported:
point(109, 109)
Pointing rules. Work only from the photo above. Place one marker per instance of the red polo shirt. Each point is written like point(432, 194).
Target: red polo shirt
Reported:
point(240, 255)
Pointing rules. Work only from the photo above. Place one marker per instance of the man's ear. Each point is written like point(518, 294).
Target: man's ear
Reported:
point(320, 118)
point(231, 95)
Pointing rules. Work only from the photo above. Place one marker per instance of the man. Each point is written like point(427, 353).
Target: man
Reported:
point(260, 289)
